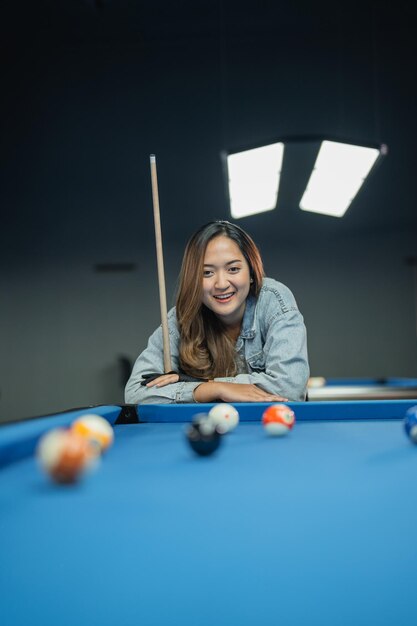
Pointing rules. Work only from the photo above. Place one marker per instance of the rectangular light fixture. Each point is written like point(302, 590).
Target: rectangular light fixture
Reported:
point(253, 179)
point(337, 176)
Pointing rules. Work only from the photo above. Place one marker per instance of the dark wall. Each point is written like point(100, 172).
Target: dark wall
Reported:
point(89, 93)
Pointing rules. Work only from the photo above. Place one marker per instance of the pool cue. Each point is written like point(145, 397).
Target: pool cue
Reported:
point(160, 262)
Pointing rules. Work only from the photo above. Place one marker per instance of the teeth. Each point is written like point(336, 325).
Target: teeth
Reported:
point(225, 297)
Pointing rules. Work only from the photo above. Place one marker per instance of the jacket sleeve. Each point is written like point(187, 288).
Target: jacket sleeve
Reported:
point(152, 360)
point(285, 369)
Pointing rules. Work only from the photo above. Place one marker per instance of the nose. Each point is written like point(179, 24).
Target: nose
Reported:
point(222, 281)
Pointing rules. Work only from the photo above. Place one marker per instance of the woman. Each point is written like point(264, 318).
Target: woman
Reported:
point(235, 336)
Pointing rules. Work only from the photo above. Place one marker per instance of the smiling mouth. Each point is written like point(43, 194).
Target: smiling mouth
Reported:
point(226, 297)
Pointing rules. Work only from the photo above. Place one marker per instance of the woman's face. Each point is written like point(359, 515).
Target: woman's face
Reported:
point(226, 280)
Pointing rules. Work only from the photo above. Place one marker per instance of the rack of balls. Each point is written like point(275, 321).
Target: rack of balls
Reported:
point(66, 455)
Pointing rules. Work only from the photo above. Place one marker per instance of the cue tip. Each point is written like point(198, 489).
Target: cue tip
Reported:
point(152, 158)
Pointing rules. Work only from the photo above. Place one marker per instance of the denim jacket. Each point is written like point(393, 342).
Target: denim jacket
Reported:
point(271, 352)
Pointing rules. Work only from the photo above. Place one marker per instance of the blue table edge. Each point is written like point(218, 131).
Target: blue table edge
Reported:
point(19, 440)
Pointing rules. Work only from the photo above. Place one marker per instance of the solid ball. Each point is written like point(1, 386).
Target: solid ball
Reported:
point(96, 429)
point(202, 436)
point(65, 456)
point(410, 423)
point(224, 417)
point(278, 420)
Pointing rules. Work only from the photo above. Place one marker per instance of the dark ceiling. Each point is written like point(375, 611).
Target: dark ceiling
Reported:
point(93, 87)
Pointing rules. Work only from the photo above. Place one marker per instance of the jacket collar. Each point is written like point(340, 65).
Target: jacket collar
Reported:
point(248, 323)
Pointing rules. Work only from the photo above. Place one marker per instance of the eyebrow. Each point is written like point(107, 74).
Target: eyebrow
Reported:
point(228, 263)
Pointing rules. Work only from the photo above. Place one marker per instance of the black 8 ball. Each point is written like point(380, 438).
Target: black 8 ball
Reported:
point(203, 437)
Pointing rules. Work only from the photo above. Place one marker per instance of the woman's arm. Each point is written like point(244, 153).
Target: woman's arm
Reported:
point(286, 369)
point(165, 389)
point(151, 360)
point(233, 392)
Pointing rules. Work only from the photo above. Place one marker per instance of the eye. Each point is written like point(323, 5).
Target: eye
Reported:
point(207, 273)
point(234, 269)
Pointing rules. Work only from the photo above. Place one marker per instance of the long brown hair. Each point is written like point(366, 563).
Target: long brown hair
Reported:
point(206, 350)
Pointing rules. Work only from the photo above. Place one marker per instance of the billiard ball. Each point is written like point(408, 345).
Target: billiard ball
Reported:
point(65, 456)
point(224, 417)
point(410, 423)
point(96, 429)
point(278, 420)
point(203, 436)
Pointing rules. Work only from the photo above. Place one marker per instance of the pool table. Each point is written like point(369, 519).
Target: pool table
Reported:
point(362, 388)
point(316, 528)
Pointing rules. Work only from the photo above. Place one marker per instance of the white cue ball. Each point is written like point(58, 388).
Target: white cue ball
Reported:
point(224, 417)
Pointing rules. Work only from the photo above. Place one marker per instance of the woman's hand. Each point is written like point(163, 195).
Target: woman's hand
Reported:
point(164, 379)
point(234, 392)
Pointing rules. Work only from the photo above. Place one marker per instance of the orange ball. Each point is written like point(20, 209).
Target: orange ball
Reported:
point(96, 429)
point(278, 420)
point(65, 456)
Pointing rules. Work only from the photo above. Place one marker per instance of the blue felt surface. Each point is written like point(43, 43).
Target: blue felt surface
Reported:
point(316, 528)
